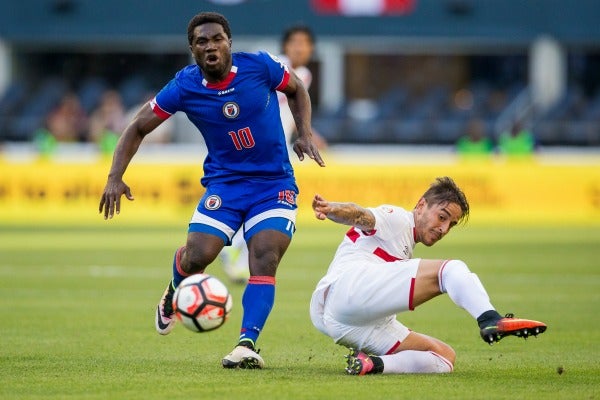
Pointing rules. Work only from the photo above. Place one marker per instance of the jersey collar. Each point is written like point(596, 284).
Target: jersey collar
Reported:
point(222, 84)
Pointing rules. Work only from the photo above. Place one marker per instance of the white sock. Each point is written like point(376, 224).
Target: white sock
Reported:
point(415, 362)
point(464, 288)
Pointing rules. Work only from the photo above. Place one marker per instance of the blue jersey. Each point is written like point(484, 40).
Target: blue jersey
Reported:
point(238, 118)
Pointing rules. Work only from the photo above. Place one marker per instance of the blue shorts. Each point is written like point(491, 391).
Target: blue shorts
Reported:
point(253, 205)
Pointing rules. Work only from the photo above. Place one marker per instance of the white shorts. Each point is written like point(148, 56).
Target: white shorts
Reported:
point(359, 309)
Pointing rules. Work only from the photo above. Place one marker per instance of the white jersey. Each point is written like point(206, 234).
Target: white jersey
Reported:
point(370, 279)
point(392, 239)
point(287, 119)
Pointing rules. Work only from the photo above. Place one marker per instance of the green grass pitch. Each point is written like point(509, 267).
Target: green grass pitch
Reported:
point(78, 307)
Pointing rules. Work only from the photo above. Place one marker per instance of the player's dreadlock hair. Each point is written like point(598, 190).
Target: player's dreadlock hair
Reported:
point(206, 17)
point(444, 191)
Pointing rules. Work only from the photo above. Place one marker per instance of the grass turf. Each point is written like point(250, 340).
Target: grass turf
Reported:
point(78, 306)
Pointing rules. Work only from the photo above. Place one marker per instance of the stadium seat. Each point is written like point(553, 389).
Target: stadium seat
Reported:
point(413, 131)
point(90, 92)
point(329, 127)
point(133, 91)
point(34, 112)
point(447, 131)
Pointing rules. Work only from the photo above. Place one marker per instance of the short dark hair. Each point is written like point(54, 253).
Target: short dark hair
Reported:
point(204, 18)
point(444, 191)
point(287, 34)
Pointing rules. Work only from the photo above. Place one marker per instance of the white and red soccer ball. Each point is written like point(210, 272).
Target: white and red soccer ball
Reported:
point(202, 303)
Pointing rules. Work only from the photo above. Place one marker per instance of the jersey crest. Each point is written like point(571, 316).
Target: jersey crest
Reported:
point(231, 109)
point(212, 202)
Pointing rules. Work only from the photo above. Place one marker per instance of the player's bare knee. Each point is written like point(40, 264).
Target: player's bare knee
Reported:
point(445, 351)
point(196, 259)
point(265, 252)
point(264, 263)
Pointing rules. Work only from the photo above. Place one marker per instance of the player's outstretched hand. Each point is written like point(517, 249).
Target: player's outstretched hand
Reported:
point(304, 145)
point(111, 198)
point(320, 206)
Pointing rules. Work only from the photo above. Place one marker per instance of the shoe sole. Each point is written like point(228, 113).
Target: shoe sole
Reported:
point(245, 363)
point(354, 363)
point(515, 327)
point(519, 327)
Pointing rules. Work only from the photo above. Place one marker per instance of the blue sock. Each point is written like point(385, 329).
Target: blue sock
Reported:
point(257, 302)
point(178, 273)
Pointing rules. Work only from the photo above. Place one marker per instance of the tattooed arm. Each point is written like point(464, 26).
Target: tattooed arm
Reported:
point(344, 213)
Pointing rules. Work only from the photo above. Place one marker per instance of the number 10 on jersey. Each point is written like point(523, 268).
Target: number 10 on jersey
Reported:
point(242, 139)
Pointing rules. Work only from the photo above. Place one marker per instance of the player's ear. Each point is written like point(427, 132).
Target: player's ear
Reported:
point(421, 203)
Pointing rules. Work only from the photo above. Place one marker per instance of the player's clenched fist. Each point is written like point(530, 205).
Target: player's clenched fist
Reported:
point(320, 206)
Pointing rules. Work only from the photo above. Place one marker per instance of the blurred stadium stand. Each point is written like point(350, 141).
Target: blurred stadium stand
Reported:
point(415, 78)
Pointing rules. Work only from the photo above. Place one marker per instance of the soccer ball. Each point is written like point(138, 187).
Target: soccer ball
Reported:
point(202, 303)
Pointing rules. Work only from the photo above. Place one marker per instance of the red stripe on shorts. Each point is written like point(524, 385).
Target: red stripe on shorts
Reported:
point(393, 348)
point(412, 293)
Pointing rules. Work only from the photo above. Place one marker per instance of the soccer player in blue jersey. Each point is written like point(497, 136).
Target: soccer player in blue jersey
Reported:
point(297, 45)
point(249, 181)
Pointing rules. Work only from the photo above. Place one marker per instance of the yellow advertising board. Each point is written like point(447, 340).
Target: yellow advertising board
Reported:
point(499, 192)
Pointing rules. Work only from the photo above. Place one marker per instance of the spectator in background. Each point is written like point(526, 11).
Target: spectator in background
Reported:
point(518, 141)
point(107, 121)
point(297, 45)
point(162, 133)
point(476, 141)
point(67, 122)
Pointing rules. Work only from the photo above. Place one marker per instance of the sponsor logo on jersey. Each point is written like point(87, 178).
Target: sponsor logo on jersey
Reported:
point(406, 251)
point(224, 92)
point(231, 109)
point(212, 202)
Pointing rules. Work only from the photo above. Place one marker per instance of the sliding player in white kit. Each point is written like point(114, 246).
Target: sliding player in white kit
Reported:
point(373, 277)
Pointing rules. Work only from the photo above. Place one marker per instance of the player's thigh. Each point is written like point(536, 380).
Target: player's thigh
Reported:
point(273, 207)
point(420, 342)
point(201, 249)
point(427, 284)
point(265, 250)
point(381, 337)
point(368, 292)
point(270, 224)
point(220, 211)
